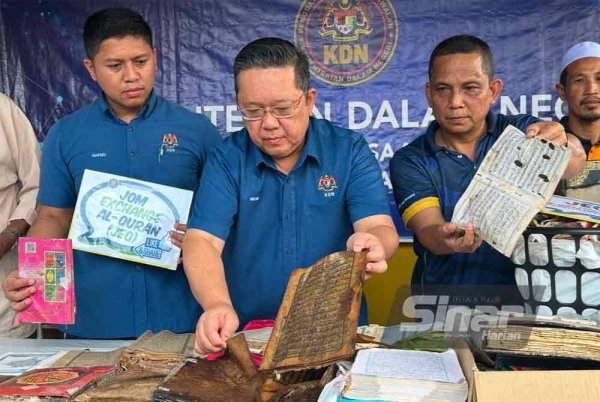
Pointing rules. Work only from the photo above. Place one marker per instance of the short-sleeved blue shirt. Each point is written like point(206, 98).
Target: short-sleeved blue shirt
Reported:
point(425, 175)
point(273, 223)
point(116, 298)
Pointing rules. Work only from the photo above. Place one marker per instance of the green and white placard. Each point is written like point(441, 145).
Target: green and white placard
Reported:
point(128, 219)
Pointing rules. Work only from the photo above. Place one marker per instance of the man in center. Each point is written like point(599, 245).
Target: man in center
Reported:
point(280, 194)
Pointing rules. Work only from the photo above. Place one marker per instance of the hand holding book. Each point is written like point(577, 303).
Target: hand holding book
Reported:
point(49, 263)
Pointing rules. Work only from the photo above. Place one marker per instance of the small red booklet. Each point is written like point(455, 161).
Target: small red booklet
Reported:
point(54, 382)
point(50, 263)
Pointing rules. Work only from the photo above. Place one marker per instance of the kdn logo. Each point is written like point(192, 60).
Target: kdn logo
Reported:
point(347, 41)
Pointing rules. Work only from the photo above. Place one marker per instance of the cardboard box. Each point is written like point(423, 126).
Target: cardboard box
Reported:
point(527, 386)
point(537, 386)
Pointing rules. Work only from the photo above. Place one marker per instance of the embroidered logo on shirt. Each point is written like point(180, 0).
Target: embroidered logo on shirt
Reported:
point(99, 155)
point(169, 142)
point(327, 184)
point(254, 198)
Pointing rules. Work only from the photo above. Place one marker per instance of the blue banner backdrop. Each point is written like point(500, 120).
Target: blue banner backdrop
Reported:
point(369, 57)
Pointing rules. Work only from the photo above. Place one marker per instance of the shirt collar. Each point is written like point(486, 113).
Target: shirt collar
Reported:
point(491, 120)
point(587, 143)
point(565, 123)
point(144, 113)
point(312, 148)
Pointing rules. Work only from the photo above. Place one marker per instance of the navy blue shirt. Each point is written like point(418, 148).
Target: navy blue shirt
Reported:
point(426, 175)
point(116, 298)
point(273, 223)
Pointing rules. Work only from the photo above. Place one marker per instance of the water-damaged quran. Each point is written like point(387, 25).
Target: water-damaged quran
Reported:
point(143, 366)
point(315, 326)
point(317, 320)
point(232, 377)
point(514, 182)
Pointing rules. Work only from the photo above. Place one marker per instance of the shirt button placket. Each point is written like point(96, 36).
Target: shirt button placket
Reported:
point(131, 144)
point(289, 222)
point(139, 299)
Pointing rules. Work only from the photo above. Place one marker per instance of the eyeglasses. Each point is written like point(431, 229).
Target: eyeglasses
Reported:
point(282, 111)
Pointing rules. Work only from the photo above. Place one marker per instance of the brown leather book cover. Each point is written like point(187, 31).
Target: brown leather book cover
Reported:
point(126, 386)
point(317, 320)
point(233, 377)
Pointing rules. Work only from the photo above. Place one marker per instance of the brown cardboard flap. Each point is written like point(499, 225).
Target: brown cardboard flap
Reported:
point(537, 386)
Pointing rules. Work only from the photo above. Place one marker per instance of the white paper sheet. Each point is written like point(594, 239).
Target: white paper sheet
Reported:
point(408, 364)
point(13, 363)
point(514, 182)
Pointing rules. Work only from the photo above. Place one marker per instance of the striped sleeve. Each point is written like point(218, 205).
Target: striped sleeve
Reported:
point(413, 186)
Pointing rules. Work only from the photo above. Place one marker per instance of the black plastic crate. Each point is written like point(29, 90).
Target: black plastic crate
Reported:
point(533, 298)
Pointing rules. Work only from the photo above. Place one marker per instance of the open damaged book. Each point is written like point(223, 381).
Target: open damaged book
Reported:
point(315, 327)
point(233, 377)
point(317, 320)
point(514, 182)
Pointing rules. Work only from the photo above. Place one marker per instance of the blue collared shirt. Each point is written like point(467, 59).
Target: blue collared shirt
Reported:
point(425, 175)
point(273, 223)
point(116, 298)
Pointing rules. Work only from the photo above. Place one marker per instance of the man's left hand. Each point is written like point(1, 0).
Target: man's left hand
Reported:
point(376, 263)
point(177, 237)
point(178, 234)
point(555, 132)
point(549, 130)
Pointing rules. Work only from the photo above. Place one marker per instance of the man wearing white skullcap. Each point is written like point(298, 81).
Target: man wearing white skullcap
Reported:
point(579, 88)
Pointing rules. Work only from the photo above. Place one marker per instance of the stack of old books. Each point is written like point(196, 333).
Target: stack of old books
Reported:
point(539, 341)
point(129, 374)
point(403, 375)
point(315, 328)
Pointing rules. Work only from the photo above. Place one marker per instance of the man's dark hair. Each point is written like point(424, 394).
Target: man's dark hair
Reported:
point(113, 23)
point(563, 77)
point(272, 52)
point(465, 44)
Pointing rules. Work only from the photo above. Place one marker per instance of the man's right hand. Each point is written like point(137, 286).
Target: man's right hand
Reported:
point(215, 326)
point(459, 240)
point(441, 237)
point(18, 290)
